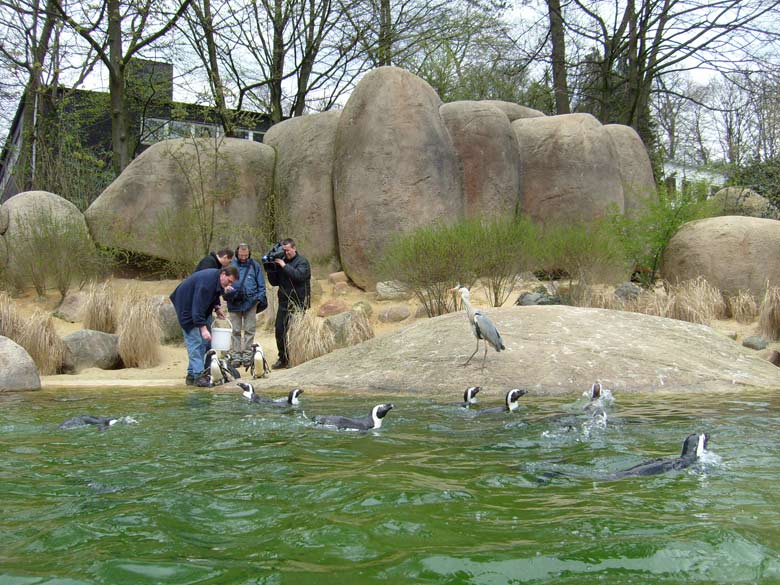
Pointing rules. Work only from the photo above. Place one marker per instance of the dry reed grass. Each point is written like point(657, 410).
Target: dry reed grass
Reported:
point(100, 308)
point(696, 301)
point(41, 341)
point(358, 329)
point(139, 332)
point(10, 320)
point(307, 337)
point(743, 307)
point(769, 314)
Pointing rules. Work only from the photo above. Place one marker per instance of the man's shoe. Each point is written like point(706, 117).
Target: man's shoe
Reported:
point(279, 365)
point(189, 380)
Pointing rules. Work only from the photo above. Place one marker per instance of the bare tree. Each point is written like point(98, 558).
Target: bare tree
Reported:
point(118, 31)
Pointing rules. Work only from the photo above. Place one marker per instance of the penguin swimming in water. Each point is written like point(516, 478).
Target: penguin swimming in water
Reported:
point(367, 423)
point(694, 445)
point(258, 367)
point(469, 396)
point(102, 422)
point(510, 403)
point(290, 400)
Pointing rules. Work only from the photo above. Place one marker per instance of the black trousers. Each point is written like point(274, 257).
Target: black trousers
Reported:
point(282, 323)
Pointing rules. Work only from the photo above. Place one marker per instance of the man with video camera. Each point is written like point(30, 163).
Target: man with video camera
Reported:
point(292, 274)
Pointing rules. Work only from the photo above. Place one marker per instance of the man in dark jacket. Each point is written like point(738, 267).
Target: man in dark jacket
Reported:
point(194, 300)
point(293, 277)
point(243, 305)
point(215, 260)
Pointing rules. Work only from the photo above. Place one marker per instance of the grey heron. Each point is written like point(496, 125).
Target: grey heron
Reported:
point(481, 326)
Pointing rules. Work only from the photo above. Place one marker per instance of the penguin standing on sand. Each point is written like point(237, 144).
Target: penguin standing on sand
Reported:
point(367, 423)
point(258, 367)
point(211, 365)
point(510, 403)
point(290, 400)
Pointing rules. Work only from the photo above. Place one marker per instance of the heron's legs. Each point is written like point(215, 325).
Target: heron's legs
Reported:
point(473, 354)
point(485, 356)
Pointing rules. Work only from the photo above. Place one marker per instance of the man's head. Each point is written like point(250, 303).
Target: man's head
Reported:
point(228, 276)
point(243, 252)
point(288, 246)
point(225, 256)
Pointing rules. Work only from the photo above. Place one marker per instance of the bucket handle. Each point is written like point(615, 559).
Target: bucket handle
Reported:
point(214, 322)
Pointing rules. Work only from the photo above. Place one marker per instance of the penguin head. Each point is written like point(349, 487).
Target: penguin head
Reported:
point(512, 397)
point(470, 394)
point(247, 388)
point(694, 445)
point(379, 412)
point(595, 391)
point(292, 397)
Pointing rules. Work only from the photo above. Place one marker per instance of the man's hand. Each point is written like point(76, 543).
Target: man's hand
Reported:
point(205, 334)
point(280, 262)
point(220, 313)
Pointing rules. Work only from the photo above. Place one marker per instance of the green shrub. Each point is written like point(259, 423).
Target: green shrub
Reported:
point(584, 253)
point(52, 251)
point(646, 236)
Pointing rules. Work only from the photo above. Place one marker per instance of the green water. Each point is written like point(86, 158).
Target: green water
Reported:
point(207, 488)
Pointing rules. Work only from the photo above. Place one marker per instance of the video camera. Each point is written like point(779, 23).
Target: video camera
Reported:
point(276, 252)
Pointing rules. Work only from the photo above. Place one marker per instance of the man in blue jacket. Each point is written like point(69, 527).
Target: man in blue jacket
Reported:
point(194, 300)
point(244, 303)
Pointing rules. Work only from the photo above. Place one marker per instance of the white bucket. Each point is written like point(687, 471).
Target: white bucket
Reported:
point(220, 337)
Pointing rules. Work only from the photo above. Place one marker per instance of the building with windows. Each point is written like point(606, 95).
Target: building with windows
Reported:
point(85, 116)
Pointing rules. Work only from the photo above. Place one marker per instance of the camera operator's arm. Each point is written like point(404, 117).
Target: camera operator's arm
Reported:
point(273, 272)
point(298, 271)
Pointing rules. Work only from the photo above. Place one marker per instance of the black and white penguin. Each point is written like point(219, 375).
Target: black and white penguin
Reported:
point(292, 398)
point(229, 371)
point(510, 403)
point(469, 396)
point(211, 366)
point(102, 422)
point(259, 366)
point(367, 423)
point(693, 447)
point(595, 405)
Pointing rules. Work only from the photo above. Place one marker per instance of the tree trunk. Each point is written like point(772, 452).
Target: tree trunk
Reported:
point(120, 113)
point(560, 84)
point(385, 40)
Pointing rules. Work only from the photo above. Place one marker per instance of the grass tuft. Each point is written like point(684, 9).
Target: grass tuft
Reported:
point(769, 314)
point(139, 332)
point(41, 341)
point(100, 308)
point(307, 337)
point(743, 307)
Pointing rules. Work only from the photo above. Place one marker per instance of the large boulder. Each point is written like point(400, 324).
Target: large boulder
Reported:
point(513, 111)
point(488, 151)
point(636, 171)
point(30, 207)
point(3, 252)
point(570, 168)
point(170, 330)
point(732, 253)
point(395, 168)
point(302, 183)
point(92, 349)
point(550, 350)
point(163, 200)
point(17, 369)
point(743, 201)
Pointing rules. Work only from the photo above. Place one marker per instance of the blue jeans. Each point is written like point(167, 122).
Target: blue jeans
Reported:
point(196, 351)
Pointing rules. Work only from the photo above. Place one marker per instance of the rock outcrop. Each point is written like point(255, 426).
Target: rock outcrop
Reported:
point(742, 201)
point(487, 148)
point(92, 349)
point(570, 169)
point(636, 172)
point(733, 253)
point(17, 369)
point(395, 168)
point(302, 182)
point(156, 206)
point(550, 350)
